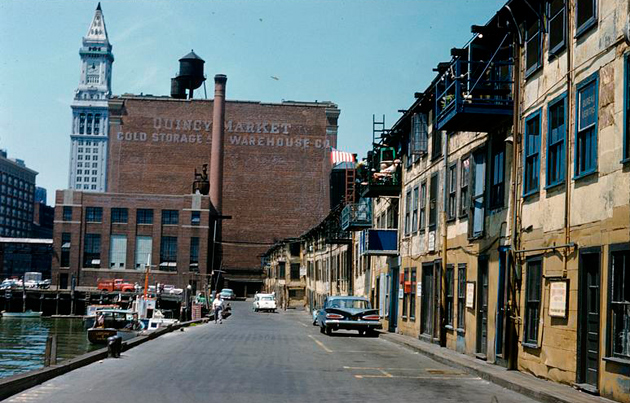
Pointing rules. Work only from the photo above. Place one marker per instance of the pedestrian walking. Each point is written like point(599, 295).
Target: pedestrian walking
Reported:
point(217, 307)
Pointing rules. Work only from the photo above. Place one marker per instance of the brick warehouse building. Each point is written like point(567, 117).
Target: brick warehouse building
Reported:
point(277, 160)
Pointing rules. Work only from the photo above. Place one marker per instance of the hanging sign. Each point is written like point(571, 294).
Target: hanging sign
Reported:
point(558, 299)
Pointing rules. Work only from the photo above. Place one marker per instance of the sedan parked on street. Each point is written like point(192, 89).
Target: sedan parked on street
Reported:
point(228, 294)
point(264, 302)
point(348, 313)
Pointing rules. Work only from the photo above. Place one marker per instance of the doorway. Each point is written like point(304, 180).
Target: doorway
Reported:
point(501, 341)
point(482, 306)
point(588, 317)
point(427, 309)
point(393, 299)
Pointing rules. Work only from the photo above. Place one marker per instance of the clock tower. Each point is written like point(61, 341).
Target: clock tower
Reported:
point(90, 123)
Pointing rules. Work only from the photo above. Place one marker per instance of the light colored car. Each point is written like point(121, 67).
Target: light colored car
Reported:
point(265, 302)
point(227, 294)
point(30, 284)
point(170, 289)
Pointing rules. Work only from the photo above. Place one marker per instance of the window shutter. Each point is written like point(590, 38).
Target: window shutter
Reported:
point(419, 138)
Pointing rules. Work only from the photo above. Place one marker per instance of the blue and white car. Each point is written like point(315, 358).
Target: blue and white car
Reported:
point(348, 313)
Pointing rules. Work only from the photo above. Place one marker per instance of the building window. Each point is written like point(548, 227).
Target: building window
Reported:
point(586, 127)
point(452, 192)
point(533, 53)
point(405, 306)
point(295, 271)
point(419, 135)
point(93, 214)
point(168, 253)
point(477, 222)
point(282, 270)
point(626, 128)
point(195, 218)
point(423, 206)
point(64, 260)
point(464, 196)
point(531, 173)
point(532, 302)
point(82, 123)
point(556, 25)
point(67, 213)
point(144, 244)
point(93, 187)
point(436, 144)
point(620, 304)
point(497, 185)
point(433, 195)
point(92, 251)
point(194, 254)
point(585, 15)
point(119, 215)
point(144, 216)
point(414, 215)
point(450, 284)
point(461, 296)
point(555, 141)
point(408, 213)
point(88, 129)
point(170, 217)
point(412, 295)
point(97, 123)
point(118, 252)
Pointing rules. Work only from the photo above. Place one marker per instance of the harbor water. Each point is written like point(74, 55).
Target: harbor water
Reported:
point(23, 342)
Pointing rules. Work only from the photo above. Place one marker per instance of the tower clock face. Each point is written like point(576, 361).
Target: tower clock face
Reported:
point(93, 68)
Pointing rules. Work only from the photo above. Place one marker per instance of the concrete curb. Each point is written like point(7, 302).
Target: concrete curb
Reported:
point(18, 383)
point(525, 384)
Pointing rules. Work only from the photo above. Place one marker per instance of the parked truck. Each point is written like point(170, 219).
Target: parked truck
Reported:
point(117, 284)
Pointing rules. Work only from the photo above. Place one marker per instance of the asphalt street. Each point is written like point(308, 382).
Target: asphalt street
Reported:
point(267, 357)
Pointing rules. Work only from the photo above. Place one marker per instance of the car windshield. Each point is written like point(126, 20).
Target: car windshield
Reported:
point(267, 298)
point(349, 303)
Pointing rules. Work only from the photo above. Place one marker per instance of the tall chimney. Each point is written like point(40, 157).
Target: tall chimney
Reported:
point(216, 160)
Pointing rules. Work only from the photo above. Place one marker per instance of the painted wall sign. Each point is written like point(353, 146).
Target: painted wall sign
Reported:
point(432, 241)
point(558, 299)
point(470, 294)
point(419, 291)
point(401, 293)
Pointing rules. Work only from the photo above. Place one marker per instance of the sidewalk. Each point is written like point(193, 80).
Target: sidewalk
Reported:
point(525, 384)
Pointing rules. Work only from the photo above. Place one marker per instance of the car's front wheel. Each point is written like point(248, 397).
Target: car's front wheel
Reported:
point(328, 330)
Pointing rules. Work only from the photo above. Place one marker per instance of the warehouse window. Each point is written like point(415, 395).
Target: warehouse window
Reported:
point(619, 313)
point(194, 254)
point(119, 215)
point(170, 217)
point(464, 196)
point(461, 297)
point(144, 216)
point(195, 218)
point(144, 245)
point(533, 46)
point(497, 184)
point(585, 15)
point(414, 217)
point(532, 302)
point(67, 213)
point(556, 25)
point(64, 260)
point(452, 192)
point(118, 252)
point(531, 172)
point(93, 214)
point(412, 295)
point(423, 205)
point(168, 253)
point(586, 127)
point(433, 195)
point(555, 141)
point(408, 213)
point(450, 286)
point(92, 251)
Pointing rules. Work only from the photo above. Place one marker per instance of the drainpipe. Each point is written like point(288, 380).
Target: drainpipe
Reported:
point(567, 181)
point(444, 246)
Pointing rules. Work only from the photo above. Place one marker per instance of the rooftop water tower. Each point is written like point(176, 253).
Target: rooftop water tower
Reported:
point(190, 76)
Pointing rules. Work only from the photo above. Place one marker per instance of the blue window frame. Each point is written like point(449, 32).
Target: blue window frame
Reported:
point(556, 25)
point(585, 15)
point(586, 127)
point(556, 135)
point(533, 46)
point(626, 112)
point(531, 154)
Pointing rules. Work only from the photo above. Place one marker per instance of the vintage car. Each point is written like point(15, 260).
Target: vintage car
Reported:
point(348, 313)
point(228, 294)
point(264, 302)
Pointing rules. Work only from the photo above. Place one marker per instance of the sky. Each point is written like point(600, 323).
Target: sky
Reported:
point(367, 56)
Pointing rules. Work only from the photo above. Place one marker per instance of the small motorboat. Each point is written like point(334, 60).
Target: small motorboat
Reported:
point(25, 314)
point(114, 323)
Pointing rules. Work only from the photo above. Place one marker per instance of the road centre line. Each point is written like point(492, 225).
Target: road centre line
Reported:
point(319, 343)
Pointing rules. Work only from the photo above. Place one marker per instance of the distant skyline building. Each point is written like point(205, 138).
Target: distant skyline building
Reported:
point(88, 152)
point(40, 195)
point(17, 188)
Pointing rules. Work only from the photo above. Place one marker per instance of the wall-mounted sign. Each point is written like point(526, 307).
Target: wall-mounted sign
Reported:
point(470, 294)
point(419, 292)
point(431, 241)
point(401, 293)
point(558, 299)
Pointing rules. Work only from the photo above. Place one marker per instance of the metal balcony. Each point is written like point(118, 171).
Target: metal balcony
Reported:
point(357, 216)
point(474, 95)
point(378, 242)
point(383, 174)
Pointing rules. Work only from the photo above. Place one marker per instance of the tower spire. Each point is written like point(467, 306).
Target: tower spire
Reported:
point(97, 31)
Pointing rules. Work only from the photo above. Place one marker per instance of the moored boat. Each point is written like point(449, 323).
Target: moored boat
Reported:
point(25, 314)
point(112, 323)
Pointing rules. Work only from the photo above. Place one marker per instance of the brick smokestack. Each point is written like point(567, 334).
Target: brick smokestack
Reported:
point(216, 160)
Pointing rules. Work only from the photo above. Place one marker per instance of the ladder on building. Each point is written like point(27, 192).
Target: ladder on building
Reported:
point(350, 194)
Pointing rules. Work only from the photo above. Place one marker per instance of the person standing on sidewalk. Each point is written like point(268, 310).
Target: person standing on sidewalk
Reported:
point(217, 307)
